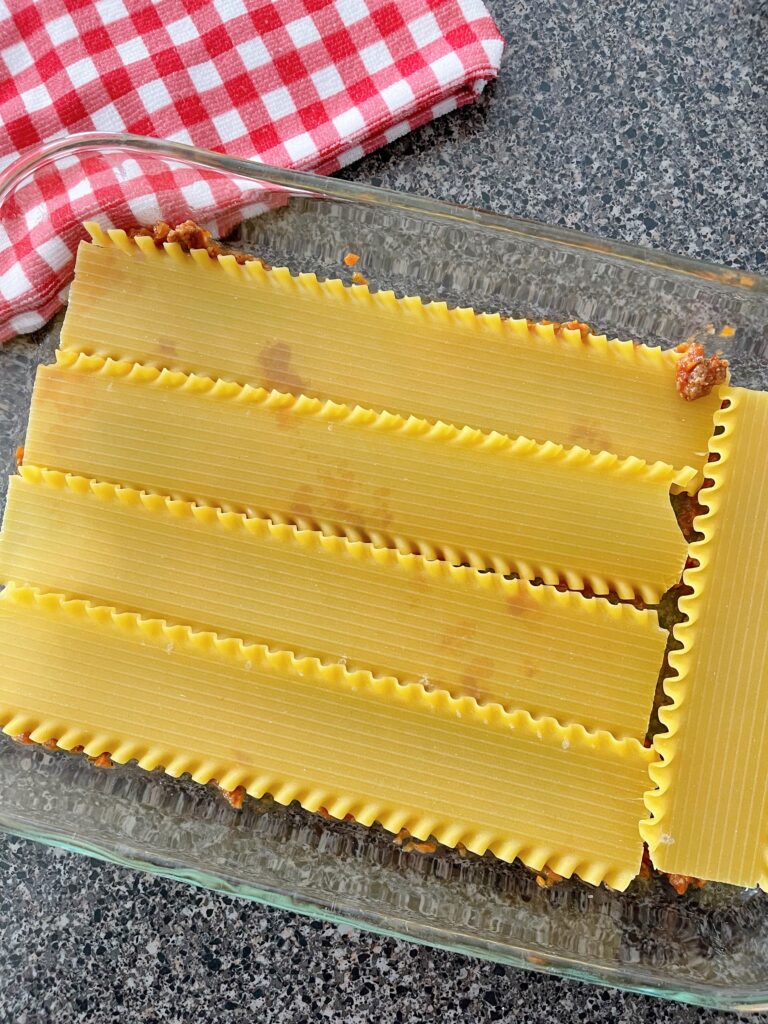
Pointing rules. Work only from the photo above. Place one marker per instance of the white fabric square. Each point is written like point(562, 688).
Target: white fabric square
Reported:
point(254, 54)
point(397, 95)
point(355, 153)
point(351, 11)
point(278, 103)
point(17, 58)
point(199, 195)
point(14, 283)
point(80, 190)
point(473, 9)
point(128, 170)
point(230, 126)
point(229, 9)
point(61, 30)
point(448, 69)
point(302, 31)
point(444, 106)
point(243, 184)
point(396, 131)
point(54, 252)
point(82, 72)
point(425, 30)
point(182, 135)
point(300, 146)
point(349, 122)
point(35, 216)
point(25, 323)
point(132, 50)
point(111, 10)
point(493, 50)
point(204, 76)
point(145, 209)
point(108, 119)
point(154, 95)
point(37, 98)
point(328, 82)
point(376, 57)
point(66, 163)
point(182, 31)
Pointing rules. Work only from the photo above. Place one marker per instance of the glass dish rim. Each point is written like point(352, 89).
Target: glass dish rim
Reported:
point(693, 994)
point(16, 173)
point(298, 182)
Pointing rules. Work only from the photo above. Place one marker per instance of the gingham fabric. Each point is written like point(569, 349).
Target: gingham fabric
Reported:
point(308, 84)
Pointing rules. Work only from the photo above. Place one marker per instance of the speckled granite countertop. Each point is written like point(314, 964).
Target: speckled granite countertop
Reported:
point(643, 121)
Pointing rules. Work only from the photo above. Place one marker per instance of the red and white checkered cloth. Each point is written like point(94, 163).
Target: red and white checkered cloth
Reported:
point(308, 84)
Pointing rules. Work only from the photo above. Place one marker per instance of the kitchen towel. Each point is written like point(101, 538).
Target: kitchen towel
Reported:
point(306, 84)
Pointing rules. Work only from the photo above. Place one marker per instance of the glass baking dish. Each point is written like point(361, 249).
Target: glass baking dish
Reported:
point(708, 947)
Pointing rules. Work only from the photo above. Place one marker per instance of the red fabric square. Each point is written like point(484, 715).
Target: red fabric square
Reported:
point(168, 61)
point(96, 40)
point(241, 89)
point(290, 68)
point(191, 109)
point(217, 41)
point(28, 20)
point(388, 19)
point(266, 18)
point(313, 115)
point(146, 18)
point(49, 65)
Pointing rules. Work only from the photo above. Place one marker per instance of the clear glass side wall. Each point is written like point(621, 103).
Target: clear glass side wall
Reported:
point(709, 947)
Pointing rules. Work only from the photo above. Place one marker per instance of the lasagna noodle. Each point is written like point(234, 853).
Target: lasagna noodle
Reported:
point(239, 714)
point(516, 506)
point(133, 301)
point(710, 811)
point(474, 634)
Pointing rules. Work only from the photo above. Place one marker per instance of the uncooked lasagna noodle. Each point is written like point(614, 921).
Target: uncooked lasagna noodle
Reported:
point(220, 709)
point(474, 634)
point(131, 300)
point(711, 806)
point(487, 500)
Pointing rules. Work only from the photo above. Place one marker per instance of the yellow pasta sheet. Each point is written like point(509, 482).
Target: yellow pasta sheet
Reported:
point(472, 633)
point(321, 735)
point(133, 301)
point(711, 808)
point(472, 497)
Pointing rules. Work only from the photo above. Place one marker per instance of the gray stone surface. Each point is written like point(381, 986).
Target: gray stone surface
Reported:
point(641, 120)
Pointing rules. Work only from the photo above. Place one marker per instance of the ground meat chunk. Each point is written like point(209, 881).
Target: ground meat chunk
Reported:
point(235, 797)
point(688, 508)
point(190, 236)
point(572, 325)
point(681, 883)
point(697, 374)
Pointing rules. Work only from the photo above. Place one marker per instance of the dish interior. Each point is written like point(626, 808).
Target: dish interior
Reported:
point(709, 946)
